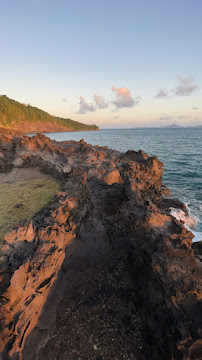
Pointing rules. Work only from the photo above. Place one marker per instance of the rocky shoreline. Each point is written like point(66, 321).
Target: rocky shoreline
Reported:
point(103, 272)
point(34, 128)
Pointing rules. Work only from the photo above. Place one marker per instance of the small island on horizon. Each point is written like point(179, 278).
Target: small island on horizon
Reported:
point(30, 119)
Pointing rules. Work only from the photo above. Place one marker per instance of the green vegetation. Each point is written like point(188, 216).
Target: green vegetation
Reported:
point(11, 110)
point(22, 199)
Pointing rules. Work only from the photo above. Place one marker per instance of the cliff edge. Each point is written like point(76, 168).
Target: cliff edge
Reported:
point(102, 264)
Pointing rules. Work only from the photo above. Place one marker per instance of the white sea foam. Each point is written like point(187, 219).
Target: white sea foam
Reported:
point(197, 236)
point(190, 222)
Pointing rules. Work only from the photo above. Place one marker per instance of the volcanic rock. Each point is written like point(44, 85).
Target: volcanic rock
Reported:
point(102, 265)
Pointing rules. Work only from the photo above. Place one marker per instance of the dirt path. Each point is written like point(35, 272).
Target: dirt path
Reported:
point(100, 318)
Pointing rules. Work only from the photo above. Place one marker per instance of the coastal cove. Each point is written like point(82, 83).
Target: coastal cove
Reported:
point(179, 149)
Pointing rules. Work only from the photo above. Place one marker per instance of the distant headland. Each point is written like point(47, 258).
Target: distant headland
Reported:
point(30, 119)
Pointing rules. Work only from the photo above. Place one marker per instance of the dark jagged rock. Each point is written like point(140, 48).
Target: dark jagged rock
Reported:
point(106, 244)
point(198, 250)
point(167, 203)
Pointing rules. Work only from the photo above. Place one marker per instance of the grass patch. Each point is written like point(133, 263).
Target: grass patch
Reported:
point(22, 199)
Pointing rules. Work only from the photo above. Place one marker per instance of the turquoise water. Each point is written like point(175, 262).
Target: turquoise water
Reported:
point(179, 149)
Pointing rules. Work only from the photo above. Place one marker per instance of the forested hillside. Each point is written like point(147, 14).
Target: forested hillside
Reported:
point(14, 114)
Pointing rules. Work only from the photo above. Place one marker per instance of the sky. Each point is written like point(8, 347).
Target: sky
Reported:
point(117, 64)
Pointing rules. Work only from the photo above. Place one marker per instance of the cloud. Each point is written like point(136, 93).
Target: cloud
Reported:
point(166, 118)
point(123, 98)
point(195, 108)
point(65, 100)
point(185, 87)
point(84, 107)
point(100, 102)
point(115, 117)
point(182, 117)
point(161, 94)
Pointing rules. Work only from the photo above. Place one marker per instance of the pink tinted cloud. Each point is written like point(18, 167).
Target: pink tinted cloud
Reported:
point(186, 86)
point(84, 107)
point(123, 98)
point(100, 102)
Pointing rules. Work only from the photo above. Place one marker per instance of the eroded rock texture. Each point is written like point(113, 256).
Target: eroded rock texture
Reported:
point(80, 269)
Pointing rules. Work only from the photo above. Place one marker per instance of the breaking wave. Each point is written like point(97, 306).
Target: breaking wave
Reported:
point(190, 222)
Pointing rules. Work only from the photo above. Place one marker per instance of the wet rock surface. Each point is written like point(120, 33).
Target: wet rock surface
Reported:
point(104, 272)
point(198, 250)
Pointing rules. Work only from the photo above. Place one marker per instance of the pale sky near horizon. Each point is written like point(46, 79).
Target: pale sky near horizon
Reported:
point(108, 62)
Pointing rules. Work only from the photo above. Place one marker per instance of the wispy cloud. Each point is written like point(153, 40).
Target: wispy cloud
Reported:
point(161, 94)
point(186, 86)
point(84, 107)
point(166, 118)
point(123, 98)
point(100, 102)
point(182, 117)
point(195, 108)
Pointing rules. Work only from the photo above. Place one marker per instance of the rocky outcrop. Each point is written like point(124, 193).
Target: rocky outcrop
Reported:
point(106, 244)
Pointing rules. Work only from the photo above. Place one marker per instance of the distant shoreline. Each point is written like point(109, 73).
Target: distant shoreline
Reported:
point(44, 132)
point(160, 127)
point(52, 132)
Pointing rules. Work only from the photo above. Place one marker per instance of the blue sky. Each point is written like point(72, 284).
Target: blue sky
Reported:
point(110, 62)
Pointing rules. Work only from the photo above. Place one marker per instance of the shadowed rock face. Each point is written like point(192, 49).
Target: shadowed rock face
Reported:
point(110, 218)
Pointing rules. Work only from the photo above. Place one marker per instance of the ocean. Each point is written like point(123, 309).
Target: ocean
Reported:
point(179, 149)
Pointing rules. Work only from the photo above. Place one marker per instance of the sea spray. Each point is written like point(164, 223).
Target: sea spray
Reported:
point(190, 222)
